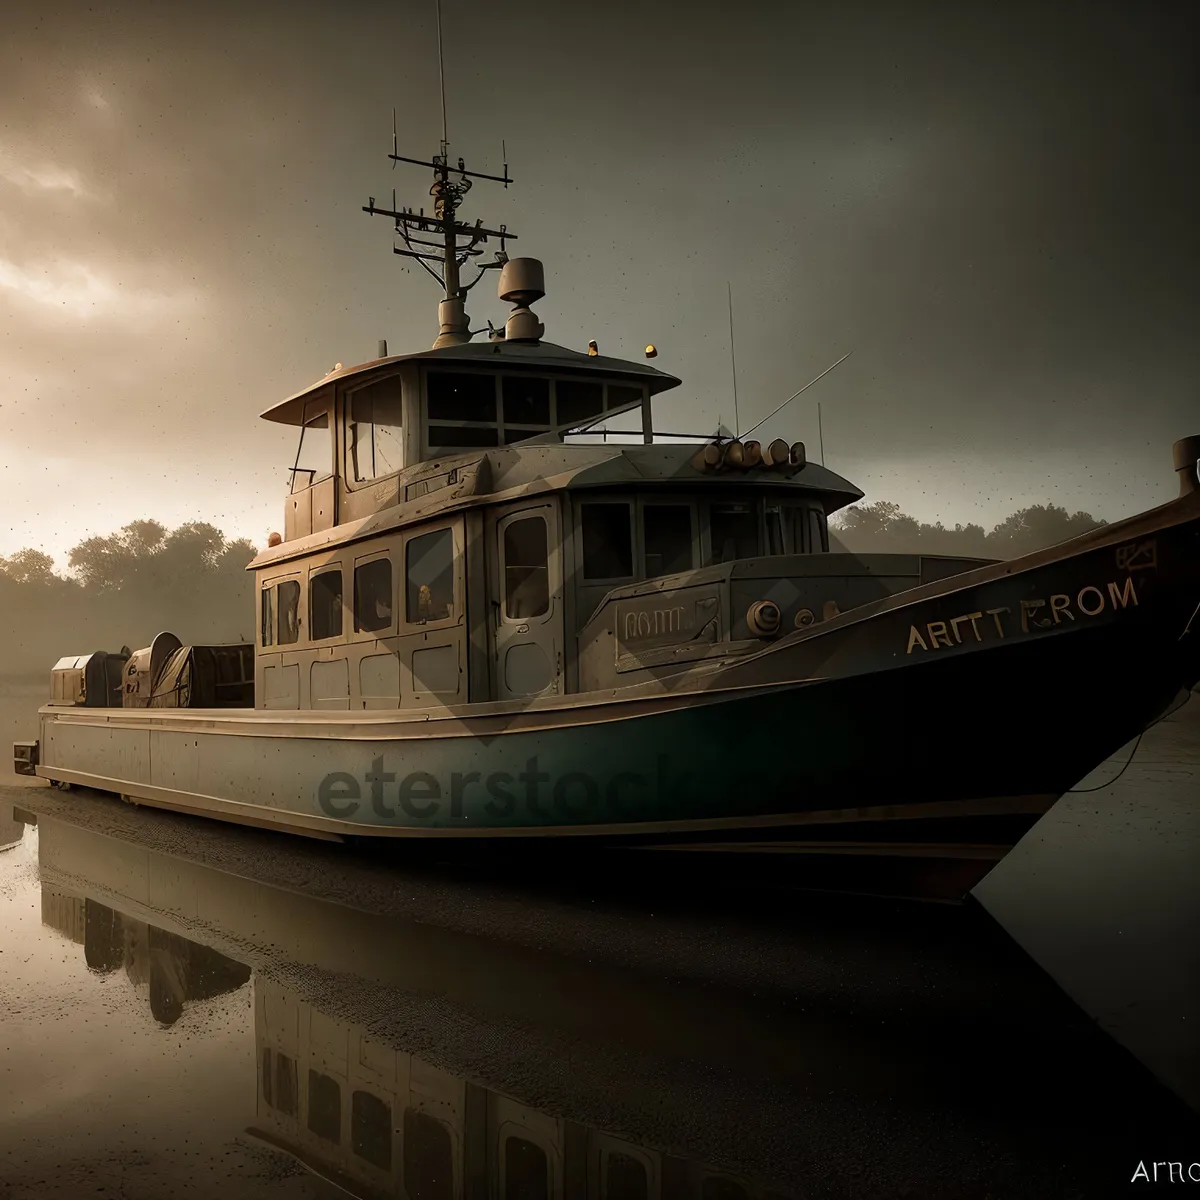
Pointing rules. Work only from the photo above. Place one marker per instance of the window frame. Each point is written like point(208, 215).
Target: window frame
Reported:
point(458, 610)
point(371, 635)
point(314, 573)
point(347, 424)
point(326, 410)
point(505, 524)
point(635, 554)
point(271, 585)
point(525, 428)
point(693, 508)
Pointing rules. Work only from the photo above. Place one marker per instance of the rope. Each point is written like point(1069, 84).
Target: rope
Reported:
point(1084, 791)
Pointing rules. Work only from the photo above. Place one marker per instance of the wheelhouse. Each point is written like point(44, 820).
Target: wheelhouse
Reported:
point(445, 543)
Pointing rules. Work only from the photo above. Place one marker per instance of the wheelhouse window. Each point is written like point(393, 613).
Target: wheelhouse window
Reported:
point(373, 596)
point(429, 576)
point(314, 455)
point(622, 398)
point(428, 1158)
point(526, 401)
point(288, 609)
point(734, 532)
point(371, 1129)
point(325, 605)
point(667, 537)
point(526, 569)
point(577, 400)
point(607, 540)
point(376, 433)
point(324, 1107)
point(478, 410)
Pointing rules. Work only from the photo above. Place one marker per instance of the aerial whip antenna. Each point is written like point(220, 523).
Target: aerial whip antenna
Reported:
point(795, 394)
point(442, 79)
point(732, 359)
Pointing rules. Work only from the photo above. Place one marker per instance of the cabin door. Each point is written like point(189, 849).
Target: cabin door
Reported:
point(527, 603)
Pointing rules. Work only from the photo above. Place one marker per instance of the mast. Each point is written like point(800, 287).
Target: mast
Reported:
point(454, 241)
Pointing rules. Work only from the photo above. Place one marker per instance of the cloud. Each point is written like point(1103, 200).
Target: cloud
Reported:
point(79, 291)
point(43, 177)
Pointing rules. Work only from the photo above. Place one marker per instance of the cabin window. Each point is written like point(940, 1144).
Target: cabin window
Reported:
point(607, 541)
point(268, 624)
point(285, 1085)
point(376, 432)
point(625, 1178)
point(429, 571)
point(288, 607)
point(667, 536)
point(526, 569)
point(526, 1171)
point(324, 1107)
point(428, 1157)
point(734, 530)
point(371, 1130)
point(314, 455)
point(373, 596)
point(525, 401)
point(817, 530)
point(325, 605)
point(577, 400)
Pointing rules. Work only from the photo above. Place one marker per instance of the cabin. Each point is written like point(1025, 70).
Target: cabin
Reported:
point(445, 542)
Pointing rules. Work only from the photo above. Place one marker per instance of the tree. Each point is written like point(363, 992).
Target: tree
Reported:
point(28, 567)
point(881, 526)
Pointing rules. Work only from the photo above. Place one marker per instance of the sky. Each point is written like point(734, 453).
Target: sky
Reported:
point(992, 207)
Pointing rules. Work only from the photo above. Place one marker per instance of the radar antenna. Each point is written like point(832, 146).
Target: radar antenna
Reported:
point(454, 241)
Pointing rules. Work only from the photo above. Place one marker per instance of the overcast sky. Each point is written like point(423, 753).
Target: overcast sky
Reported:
point(993, 206)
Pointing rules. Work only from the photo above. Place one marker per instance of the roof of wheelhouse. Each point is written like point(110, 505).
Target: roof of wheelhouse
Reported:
point(501, 355)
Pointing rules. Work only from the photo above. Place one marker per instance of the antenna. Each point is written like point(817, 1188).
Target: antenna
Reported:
point(732, 360)
point(820, 433)
point(795, 394)
point(454, 242)
point(442, 78)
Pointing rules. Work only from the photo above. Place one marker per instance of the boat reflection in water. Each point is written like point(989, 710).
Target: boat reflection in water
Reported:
point(336, 1089)
point(459, 1041)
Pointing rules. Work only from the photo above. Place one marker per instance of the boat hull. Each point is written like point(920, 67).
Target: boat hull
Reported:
point(920, 737)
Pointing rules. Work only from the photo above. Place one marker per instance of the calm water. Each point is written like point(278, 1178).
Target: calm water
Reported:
point(195, 1010)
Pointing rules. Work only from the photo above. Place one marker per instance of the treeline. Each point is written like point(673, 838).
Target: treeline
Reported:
point(123, 589)
point(881, 527)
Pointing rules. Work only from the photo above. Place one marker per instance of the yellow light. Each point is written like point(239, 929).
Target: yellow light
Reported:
point(651, 351)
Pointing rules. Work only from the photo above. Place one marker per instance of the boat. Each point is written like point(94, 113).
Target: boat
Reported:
point(484, 619)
